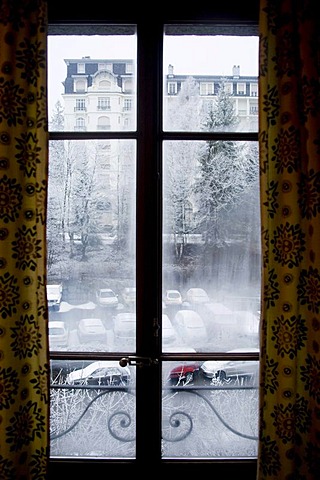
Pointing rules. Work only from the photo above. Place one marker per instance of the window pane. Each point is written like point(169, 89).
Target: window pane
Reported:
point(210, 409)
point(203, 72)
point(92, 409)
point(92, 82)
point(211, 244)
point(91, 244)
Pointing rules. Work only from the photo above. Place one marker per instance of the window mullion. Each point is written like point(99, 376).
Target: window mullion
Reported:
point(148, 238)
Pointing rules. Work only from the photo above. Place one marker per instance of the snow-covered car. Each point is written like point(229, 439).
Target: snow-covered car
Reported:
point(58, 335)
point(235, 371)
point(124, 328)
point(169, 334)
point(54, 296)
point(100, 373)
point(197, 296)
point(191, 328)
point(106, 297)
point(129, 296)
point(91, 330)
point(172, 297)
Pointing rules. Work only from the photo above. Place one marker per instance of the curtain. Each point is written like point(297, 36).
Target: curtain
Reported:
point(289, 140)
point(24, 368)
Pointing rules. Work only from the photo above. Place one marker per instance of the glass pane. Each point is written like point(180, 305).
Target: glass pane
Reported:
point(210, 409)
point(201, 74)
point(91, 245)
point(92, 409)
point(211, 244)
point(92, 82)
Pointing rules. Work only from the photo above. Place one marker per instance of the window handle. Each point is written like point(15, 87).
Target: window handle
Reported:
point(138, 361)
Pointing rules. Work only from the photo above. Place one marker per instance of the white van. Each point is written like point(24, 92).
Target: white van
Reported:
point(54, 296)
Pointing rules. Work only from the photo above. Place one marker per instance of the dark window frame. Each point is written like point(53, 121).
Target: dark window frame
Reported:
point(149, 137)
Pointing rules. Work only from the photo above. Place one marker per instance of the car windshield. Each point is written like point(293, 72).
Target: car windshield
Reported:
point(173, 295)
point(106, 294)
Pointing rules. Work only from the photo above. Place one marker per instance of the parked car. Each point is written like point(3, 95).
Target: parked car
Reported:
point(169, 334)
point(54, 296)
point(238, 371)
point(91, 330)
point(197, 296)
point(106, 297)
point(129, 296)
point(184, 373)
point(124, 327)
point(172, 297)
point(100, 373)
point(191, 328)
point(58, 335)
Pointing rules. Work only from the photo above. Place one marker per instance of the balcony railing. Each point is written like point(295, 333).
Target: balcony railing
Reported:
point(100, 420)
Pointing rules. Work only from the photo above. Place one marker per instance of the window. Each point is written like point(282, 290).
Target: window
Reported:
point(127, 104)
point(241, 88)
point(81, 68)
point(80, 124)
point(80, 85)
point(80, 104)
point(180, 212)
point(104, 103)
point(172, 88)
point(254, 89)
point(206, 88)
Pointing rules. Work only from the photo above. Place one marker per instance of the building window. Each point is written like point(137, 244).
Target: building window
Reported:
point(172, 88)
point(206, 88)
point(105, 66)
point(103, 123)
point(104, 85)
point(104, 103)
point(253, 89)
point(80, 85)
point(80, 105)
point(241, 88)
point(80, 124)
point(81, 68)
point(127, 104)
point(228, 87)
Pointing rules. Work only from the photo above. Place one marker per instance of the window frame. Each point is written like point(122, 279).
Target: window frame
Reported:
point(149, 137)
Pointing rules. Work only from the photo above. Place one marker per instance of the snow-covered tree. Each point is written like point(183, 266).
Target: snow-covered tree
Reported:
point(179, 166)
point(184, 109)
point(56, 190)
point(226, 170)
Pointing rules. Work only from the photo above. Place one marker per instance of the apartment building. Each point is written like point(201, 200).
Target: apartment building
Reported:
point(100, 94)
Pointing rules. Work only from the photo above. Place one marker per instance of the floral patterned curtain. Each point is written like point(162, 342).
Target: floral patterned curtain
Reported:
point(24, 372)
point(289, 136)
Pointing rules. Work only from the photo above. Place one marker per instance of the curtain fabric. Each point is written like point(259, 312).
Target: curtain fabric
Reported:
point(289, 138)
point(24, 369)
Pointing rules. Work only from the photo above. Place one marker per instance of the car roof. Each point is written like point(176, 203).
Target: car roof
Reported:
point(56, 323)
point(94, 321)
point(187, 313)
point(84, 372)
point(196, 290)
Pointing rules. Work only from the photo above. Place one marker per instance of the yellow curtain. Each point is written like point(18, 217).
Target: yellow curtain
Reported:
point(289, 137)
point(24, 372)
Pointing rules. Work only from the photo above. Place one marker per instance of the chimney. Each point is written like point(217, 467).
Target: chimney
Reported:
point(236, 71)
point(170, 70)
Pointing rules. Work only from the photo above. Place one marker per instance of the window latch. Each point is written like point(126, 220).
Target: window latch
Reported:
point(138, 361)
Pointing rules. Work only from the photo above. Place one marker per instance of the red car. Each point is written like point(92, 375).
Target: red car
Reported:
point(184, 373)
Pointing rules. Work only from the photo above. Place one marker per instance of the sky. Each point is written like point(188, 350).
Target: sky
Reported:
point(189, 55)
